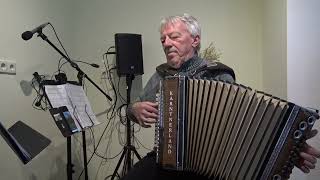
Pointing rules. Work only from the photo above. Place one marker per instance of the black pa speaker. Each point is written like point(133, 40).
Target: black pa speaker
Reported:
point(129, 54)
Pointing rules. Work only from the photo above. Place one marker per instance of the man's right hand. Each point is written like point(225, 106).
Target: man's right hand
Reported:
point(145, 112)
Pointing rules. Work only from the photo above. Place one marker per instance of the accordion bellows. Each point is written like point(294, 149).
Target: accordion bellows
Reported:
point(228, 131)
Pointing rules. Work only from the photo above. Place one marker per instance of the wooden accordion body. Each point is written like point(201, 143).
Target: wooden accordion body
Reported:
point(228, 131)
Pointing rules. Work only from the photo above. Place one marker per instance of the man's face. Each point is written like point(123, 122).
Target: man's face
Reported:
point(178, 44)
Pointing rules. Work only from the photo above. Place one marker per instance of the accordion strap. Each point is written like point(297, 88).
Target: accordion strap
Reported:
point(216, 68)
point(208, 68)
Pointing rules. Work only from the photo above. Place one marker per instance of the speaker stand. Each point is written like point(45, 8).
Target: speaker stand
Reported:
point(128, 148)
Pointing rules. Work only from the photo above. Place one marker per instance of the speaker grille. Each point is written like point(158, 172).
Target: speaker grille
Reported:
point(129, 54)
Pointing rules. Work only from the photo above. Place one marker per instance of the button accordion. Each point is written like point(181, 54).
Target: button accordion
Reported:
point(228, 131)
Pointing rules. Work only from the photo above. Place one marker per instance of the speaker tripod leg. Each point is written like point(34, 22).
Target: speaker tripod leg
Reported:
point(135, 152)
point(119, 162)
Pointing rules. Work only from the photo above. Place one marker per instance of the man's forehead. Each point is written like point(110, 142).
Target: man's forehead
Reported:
point(174, 27)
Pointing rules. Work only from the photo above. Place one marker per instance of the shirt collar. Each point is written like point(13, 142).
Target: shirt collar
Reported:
point(190, 64)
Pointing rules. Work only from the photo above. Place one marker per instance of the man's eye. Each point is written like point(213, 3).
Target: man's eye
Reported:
point(174, 37)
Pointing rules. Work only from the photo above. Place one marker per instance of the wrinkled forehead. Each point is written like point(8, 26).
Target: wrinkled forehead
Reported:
point(174, 26)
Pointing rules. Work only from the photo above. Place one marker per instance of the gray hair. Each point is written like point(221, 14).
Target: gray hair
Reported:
point(191, 23)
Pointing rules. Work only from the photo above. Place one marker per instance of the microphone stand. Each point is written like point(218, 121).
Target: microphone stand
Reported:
point(80, 76)
point(73, 64)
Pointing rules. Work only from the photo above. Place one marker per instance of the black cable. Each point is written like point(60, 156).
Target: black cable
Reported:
point(108, 71)
point(90, 64)
point(95, 148)
point(110, 176)
point(111, 112)
point(59, 40)
point(139, 142)
point(123, 100)
point(119, 114)
point(39, 103)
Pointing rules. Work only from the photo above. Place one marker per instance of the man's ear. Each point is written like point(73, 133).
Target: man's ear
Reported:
point(196, 41)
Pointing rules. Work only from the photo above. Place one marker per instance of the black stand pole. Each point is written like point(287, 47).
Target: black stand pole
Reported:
point(81, 74)
point(128, 147)
point(69, 160)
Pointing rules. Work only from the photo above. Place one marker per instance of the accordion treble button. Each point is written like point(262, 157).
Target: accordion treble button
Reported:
point(293, 154)
point(283, 171)
point(290, 165)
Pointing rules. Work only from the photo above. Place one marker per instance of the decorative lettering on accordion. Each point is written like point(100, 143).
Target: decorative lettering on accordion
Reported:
point(170, 124)
point(170, 121)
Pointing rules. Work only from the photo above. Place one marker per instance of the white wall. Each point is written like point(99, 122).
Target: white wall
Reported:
point(233, 26)
point(274, 47)
point(87, 29)
point(303, 61)
point(35, 55)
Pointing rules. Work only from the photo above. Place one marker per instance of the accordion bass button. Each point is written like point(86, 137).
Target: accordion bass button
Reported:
point(289, 164)
point(311, 120)
point(297, 134)
point(284, 170)
point(298, 145)
point(292, 153)
point(295, 158)
point(276, 177)
point(303, 125)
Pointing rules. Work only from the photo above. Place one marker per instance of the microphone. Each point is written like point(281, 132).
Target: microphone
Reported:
point(28, 34)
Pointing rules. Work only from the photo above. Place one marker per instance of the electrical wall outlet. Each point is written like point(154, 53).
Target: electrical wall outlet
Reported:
point(12, 67)
point(3, 66)
point(8, 67)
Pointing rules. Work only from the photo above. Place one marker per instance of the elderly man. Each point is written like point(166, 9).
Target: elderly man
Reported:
point(180, 37)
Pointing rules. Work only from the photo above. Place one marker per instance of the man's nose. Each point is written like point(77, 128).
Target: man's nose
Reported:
point(167, 42)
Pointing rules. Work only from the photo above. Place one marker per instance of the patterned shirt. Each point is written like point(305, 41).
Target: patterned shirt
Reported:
point(187, 69)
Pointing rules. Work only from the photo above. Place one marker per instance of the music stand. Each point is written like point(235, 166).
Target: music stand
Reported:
point(81, 74)
point(128, 147)
point(70, 170)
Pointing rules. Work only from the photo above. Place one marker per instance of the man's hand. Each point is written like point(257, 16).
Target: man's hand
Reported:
point(146, 113)
point(309, 156)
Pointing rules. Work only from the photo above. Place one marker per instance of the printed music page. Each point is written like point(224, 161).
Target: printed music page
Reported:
point(75, 99)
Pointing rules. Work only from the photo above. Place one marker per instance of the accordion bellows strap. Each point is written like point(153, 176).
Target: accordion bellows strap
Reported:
point(228, 131)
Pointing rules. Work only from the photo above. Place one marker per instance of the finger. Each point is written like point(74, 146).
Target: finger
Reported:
point(147, 124)
point(150, 120)
point(153, 104)
point(143, 124)
point(151, 109)
point(312, 151)
point(147, 114)
point(308, 157)
point(304, 169)
point(309, 165)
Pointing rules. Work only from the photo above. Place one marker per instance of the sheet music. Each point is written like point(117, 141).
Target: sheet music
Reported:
point(75, 99)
